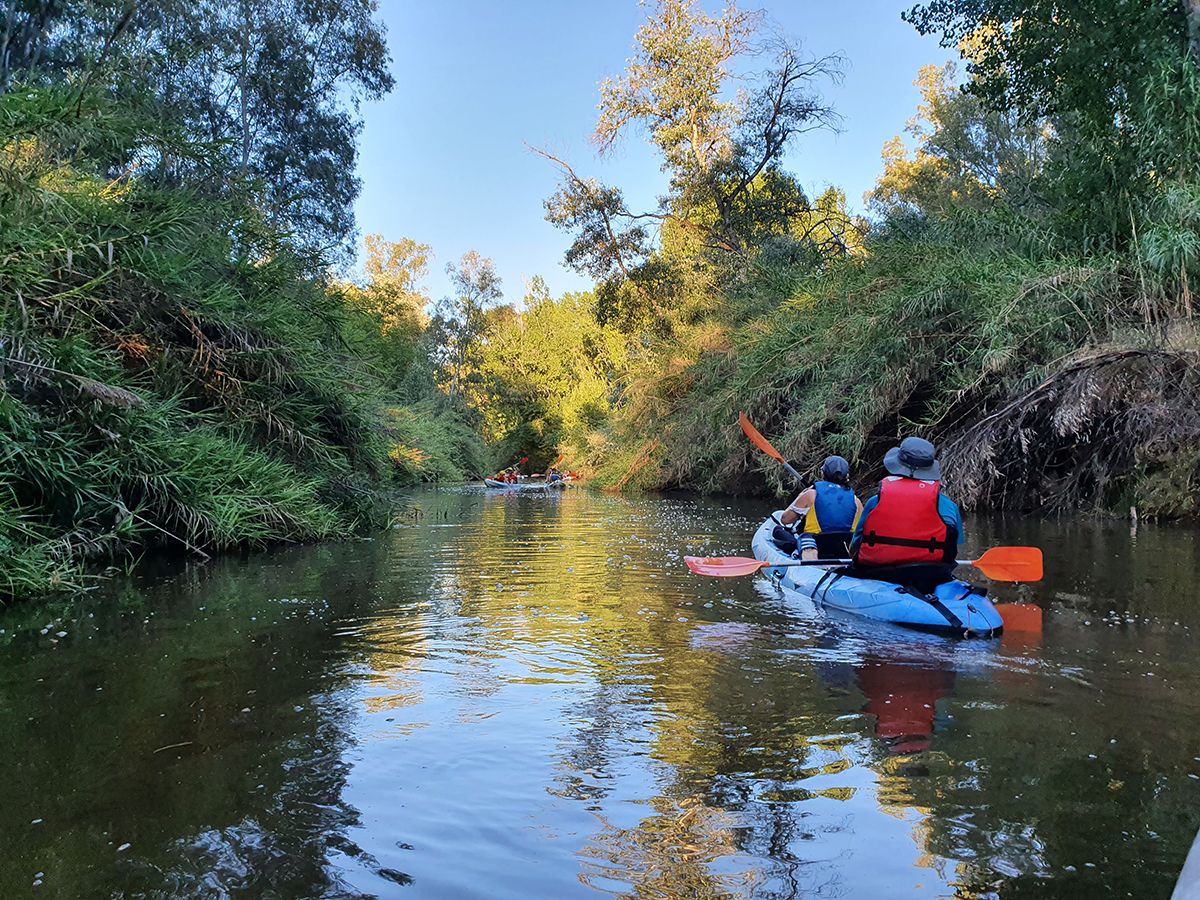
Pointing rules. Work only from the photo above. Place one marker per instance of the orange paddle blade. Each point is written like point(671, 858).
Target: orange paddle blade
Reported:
point(1020, 616)
point(758, 440)
point(723, 566)
point(1011, 564)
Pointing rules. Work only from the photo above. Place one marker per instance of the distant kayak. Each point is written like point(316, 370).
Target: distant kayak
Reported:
point(518, 486)
point(954, 608)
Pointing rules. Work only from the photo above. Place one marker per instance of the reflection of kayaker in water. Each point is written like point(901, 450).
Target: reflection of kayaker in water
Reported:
point(910, 531)
point(903, 699)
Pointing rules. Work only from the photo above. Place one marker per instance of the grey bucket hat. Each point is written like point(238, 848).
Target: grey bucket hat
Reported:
point(914, 458)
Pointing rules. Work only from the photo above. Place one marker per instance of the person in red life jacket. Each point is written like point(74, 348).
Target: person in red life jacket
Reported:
point(829, 511)
point(910, 531)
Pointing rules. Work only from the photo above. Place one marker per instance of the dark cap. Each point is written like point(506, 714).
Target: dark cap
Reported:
point(836, 469)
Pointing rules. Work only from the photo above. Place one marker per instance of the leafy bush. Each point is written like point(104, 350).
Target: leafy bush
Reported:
point(427, 444)
point(172, 372)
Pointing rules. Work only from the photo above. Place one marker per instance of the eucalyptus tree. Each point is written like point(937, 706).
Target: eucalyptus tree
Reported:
point(967, 155)
point(722, 149)
point(460, 319)
point(1118, 81)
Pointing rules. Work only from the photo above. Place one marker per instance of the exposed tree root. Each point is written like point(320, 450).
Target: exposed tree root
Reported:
point(1084, 435)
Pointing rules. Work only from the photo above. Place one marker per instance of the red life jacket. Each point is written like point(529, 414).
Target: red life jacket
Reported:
point(905, 527)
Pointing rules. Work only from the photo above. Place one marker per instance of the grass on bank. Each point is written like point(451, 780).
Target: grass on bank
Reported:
point(172, 371)
point(940, 333)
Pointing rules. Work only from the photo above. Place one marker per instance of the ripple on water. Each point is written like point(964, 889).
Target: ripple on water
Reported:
point(515, 697)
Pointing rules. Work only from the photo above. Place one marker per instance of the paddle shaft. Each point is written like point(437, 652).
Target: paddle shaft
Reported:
point(787, 467)
point(837, 562)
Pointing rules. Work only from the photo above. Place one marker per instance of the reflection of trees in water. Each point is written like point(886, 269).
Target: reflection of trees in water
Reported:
point(1041, 775)
point(293, 824)
point(667, 854)
point(1041, 766)
point(754, 742)
point(735, 738)
point(211, 737)
point(748, 746)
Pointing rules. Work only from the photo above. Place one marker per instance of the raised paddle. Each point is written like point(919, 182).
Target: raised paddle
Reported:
point(998, 564)
point(765, 446)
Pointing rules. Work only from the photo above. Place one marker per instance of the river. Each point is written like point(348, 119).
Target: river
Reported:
point(532, 697)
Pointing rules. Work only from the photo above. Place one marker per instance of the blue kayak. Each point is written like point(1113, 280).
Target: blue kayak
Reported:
point(954, 608)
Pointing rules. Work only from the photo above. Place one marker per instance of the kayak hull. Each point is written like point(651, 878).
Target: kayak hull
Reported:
point(520, 487)
point(954, 608)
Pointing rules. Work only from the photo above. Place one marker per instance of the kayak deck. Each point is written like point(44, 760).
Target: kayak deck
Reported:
point(954, 608)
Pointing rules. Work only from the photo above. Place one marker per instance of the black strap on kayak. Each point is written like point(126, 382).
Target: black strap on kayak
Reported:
point(831, 576)
point(932, 599)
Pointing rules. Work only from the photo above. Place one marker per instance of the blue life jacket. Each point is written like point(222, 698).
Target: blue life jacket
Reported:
point(834, 508)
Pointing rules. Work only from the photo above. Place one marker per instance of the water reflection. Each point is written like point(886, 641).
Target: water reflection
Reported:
point(518, 696)
point(903, 699)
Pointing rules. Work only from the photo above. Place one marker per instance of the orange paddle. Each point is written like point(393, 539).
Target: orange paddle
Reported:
point(765, 446)
point(1020, 616)
point(998, 564)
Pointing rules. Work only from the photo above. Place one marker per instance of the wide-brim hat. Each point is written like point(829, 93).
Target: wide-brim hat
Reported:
point(914, 458)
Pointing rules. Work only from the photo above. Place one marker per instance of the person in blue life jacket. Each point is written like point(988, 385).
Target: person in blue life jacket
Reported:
point(829, 512)
point(910, 531)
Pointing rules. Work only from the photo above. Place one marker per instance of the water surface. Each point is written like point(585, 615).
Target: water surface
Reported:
point(531, 697)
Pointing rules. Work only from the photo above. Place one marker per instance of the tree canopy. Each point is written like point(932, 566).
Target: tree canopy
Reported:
point(721, 149)
point(273, 88)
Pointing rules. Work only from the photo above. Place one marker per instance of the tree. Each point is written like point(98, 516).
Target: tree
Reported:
point(1050, 57)
point(394, 271)
point(40, 39)
point(546, 376)
point(460, 320)
point(721, 153)
point(1118, 81)
point(966, 155)
point(275, 86)
point(394, 302)
point(672, 87)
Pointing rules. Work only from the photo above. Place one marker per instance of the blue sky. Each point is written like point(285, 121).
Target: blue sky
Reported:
point(444, 157)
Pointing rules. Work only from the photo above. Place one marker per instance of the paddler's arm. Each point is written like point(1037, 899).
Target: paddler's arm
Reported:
point(862, 520)
point(951, 515)
point(799, 507)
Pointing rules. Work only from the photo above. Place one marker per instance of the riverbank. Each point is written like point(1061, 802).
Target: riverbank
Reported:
point(175, 370)
point(1052, 382)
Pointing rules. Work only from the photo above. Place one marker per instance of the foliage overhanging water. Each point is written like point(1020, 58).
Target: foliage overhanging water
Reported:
point(518, 697)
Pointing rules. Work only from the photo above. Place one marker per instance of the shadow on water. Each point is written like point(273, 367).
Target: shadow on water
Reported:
point(530, 696)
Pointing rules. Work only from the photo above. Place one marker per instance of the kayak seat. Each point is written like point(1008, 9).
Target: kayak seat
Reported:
point(830, 545)
point(784, 538)
point(920, 577)
point(833, 544)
